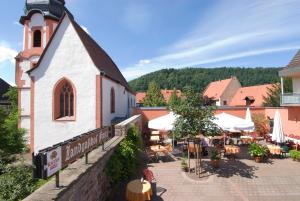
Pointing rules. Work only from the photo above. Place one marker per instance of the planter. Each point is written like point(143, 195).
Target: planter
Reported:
point(258, 159)
point(185, 169)
point(215, 163)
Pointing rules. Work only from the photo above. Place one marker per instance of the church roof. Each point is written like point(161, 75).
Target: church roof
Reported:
point(53, 9)
point(99, 57)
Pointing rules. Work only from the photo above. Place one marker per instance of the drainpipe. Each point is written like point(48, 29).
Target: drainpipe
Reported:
point(282, 90)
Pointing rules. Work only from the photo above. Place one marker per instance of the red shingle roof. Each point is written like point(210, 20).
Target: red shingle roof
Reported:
point(166, 94)
point(255, 93)
point(215, 89)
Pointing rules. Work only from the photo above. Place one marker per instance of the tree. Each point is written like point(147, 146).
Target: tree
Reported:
point(193, 118)
point(261, 124)
point(11, 137)
point(153, 98)
point(174, 99)
point(273, 96)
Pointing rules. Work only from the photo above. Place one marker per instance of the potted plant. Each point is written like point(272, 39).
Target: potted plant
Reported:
point(184, 165)
point(215, 158)
point(258, 152)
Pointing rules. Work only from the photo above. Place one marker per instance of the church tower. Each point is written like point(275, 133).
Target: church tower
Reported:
point(39, 20)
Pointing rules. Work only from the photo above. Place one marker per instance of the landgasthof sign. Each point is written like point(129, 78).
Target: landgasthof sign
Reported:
point(53, 161)
point(77, 148)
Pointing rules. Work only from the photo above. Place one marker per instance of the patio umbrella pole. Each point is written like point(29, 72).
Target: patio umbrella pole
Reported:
point(188, 144)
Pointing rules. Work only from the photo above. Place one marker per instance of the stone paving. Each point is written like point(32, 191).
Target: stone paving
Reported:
point(239, 180)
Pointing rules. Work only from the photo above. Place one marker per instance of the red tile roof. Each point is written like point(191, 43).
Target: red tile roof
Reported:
point(254, 92)
point(139, 97)
point(215, 89)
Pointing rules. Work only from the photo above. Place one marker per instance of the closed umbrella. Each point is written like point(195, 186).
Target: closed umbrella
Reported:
point(278, 135)
point(249, 119)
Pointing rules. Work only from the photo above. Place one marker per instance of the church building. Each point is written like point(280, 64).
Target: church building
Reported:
point(67, 83)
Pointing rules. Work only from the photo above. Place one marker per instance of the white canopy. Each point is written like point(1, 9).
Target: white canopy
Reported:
point(249, 119)
point(164, 123)
point(232, 123)
point(277, 134)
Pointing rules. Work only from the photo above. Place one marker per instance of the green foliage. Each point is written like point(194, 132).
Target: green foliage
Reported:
point(124, 161)
point(184, 163)
point(193, 118)
point(16, 183)
point(214, 155)
point(273, 96)
point(199, 78)
point(257, 150)
point(174, 99)
point(294, 154)
point(11, 137)
point(154, 97)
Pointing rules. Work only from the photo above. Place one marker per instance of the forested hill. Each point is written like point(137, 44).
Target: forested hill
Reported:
point(201, 77)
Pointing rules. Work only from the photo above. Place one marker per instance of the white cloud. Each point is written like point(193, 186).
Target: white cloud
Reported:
point(7, 53)
point(231, 29)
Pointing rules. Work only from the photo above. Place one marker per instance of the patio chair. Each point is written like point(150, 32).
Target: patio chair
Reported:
point(149, 176)
point(285, 150)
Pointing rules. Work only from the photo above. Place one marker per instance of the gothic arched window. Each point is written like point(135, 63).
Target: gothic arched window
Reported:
point(64, 100)
point(37, 38)
point(112, 100)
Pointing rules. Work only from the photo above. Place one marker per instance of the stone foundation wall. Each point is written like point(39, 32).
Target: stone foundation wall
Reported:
point(81, 181)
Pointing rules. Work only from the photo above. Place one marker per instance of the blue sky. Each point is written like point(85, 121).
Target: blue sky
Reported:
point(142, 36)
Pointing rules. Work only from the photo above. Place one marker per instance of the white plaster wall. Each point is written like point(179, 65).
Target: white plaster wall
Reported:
point(25, 124)
point(25, 101)
point(25, 66)
point(66, 57)
point(121, 101)
point(296, 85)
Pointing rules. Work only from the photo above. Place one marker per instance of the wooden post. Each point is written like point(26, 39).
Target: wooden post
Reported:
point(86, 158)
point(57, 179)
point(188, 144)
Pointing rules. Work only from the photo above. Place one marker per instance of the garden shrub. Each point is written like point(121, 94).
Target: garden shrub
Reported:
point(123, 163)
point(294, 154)
point(16, 182)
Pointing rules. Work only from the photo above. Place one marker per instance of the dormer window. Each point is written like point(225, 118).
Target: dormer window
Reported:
point(37, 38)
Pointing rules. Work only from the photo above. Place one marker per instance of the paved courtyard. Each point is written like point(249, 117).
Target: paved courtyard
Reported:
point(239, 180)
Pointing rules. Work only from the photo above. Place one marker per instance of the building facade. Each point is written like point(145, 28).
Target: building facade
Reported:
point(67, 83)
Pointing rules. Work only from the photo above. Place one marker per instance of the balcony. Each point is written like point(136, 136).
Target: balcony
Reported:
point(291, 99)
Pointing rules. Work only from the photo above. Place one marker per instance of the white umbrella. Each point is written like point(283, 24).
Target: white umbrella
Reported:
point(232, 123)
point(249, 119)
point(277, 134)
point(248, 115)
point(165, 123)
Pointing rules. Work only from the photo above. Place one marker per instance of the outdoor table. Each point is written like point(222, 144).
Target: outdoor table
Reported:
point(274, 149)
point(246, 139)
point(231, 149)
point(158, 148)
point(138, 191)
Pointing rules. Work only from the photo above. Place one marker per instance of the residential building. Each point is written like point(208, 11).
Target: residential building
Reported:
point(292, 70)
point(229, 92)
point(222, 91)
point(166, 94)
point(67, 83)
